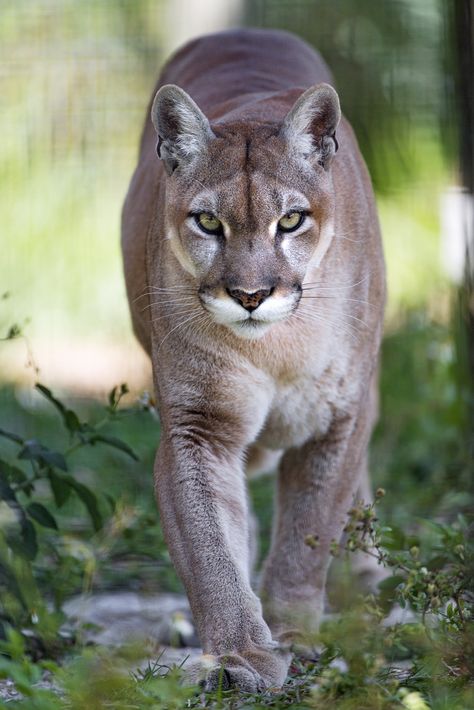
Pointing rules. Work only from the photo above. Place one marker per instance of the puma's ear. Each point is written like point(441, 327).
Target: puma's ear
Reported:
point(183, 130)
point(310, 127)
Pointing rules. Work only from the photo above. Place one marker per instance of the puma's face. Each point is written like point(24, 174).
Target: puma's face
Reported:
point(249, 208)
point(247, 235)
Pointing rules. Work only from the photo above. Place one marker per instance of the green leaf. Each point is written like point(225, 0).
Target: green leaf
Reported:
point(115, 443)
point(28, 536)
point(390, 583)
point(115, 395)
point(54, 458)
point(60, 488)
point(14, 645)
point(13, 437)
point(49, 395)
point(13, 332)
point(70, 418)
point(25, 545)
point(33, 450)
point(436, 563)
point(112, 396)
point(89, 500)
point(71, 421)
point(15, 475)
point(42, 516)
point(9, 580)
point(6, 491)
point(111, 501)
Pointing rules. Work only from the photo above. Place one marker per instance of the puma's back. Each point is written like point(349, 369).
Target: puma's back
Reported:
point(255, 276)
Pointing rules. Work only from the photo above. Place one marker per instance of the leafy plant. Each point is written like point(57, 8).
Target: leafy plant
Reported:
point(433, 575)
point(25, 518)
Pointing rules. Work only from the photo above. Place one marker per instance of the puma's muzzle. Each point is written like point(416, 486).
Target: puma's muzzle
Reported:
point(250, 312)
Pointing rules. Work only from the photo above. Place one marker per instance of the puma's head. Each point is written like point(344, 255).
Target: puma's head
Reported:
point(249, 204)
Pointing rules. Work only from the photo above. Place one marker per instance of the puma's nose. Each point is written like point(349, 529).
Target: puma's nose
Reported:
point(250, 301)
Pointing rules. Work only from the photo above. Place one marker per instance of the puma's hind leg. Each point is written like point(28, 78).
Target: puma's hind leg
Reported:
point(259, 460)
point(316, 486)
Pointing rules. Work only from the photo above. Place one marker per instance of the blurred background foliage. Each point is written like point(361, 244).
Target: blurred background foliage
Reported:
point(74, 85)
point(75, 79)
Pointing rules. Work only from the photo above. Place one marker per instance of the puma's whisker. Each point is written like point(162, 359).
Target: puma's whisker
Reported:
point(341, 315)
point(344, 315)
point(348, 328)
point(174, 314)
point(177, 291)
point(347, 239)
point(338, 298)
point(166, 293)
point(175, 301)
point(334, 317)
point(344, 235)
point(208, 323)
point(148, 289)
point(316, 284)
point(137, 298)
point(180, 325)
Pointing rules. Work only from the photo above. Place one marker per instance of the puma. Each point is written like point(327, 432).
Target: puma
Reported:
point(255, 275)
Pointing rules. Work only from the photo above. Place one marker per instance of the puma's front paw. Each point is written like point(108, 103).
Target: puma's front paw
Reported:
point(233, 671)
point(225, 672)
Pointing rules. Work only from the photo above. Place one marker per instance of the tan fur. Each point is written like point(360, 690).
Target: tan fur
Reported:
point(298, 383)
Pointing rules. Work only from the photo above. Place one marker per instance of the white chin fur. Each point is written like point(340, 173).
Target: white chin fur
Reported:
point(249, 329)
point(226, 311)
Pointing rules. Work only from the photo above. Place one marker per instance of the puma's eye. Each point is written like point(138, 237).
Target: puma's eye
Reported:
point(291, 221)
point(208, 223)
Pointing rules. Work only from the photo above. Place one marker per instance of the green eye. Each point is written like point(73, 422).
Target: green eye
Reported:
point(291, 221)
point(208, 223)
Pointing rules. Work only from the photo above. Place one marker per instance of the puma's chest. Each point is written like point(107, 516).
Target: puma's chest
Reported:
point(303, 407)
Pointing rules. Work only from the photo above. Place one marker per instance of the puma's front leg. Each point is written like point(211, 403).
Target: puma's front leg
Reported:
point(316, 485)
point(202, 499)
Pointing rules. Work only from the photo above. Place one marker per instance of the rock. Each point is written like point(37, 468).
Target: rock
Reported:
point(118, 618)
